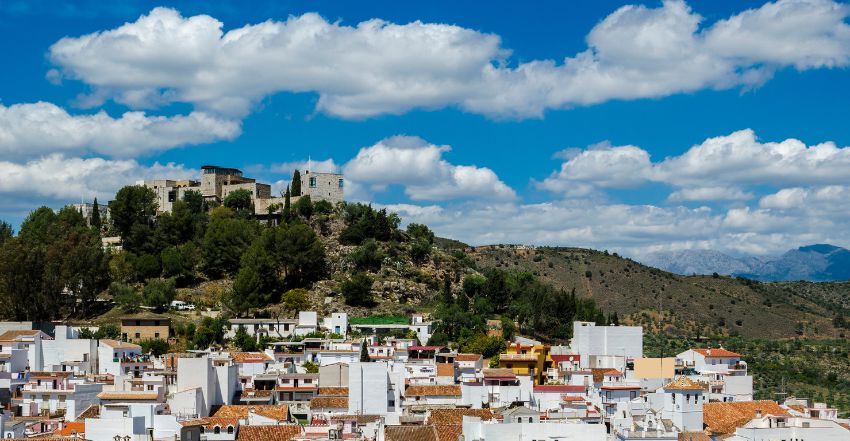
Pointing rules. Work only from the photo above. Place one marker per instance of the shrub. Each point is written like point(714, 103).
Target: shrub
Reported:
point(357, 290)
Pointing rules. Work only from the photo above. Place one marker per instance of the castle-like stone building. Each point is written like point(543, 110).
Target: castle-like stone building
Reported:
point(217, 182)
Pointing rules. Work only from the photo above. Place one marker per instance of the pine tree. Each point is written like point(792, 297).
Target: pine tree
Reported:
point(287, 207)
point(95, 215)
point(296, 183)
point(448, 299)
point(364, 353)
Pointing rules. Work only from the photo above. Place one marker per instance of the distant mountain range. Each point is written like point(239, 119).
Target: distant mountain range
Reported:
point(817, 263)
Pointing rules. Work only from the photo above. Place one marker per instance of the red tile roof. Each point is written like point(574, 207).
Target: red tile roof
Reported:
point(410, 433)
point(433, 391)
point(269, 433)
point(562, 388)
point(560, 358)
point(717, 352)
point(720, 418)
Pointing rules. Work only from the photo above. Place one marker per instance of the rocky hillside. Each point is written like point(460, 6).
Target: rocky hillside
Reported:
point(694, 304)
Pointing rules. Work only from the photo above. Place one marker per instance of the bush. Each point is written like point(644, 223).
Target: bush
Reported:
point(420, 249)
point(155, 347)
point(159, 293)
point(296, 300)
point(312, 368)
point(367, 257)
point(323, 207)
point(357, 290)
point(125, 295)
point(303, 207)
point(419, 231)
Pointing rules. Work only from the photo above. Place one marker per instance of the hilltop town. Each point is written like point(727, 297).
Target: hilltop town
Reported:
point(211, 310)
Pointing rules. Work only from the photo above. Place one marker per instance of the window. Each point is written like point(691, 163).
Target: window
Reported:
point(229, 429)
point(156, 334)
point(340, 183)
point(138, 335)
point(217, 430)
point(312, 182)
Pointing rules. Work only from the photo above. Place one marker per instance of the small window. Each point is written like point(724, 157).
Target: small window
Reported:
point(312, 182)
point(340, 183)
point(138, 335)
point(229, 429)
point(217, 430)
point(156, 334)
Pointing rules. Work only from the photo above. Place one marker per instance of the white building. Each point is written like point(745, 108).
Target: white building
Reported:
point(336, 323)
point(474, 429)
point(272, 327)
point(120, 358)
point(683, 400)
point(592, 340)
point(57, 393)
point(67, 347)
point(203, 382)
point(370, 390)
point(770, 428)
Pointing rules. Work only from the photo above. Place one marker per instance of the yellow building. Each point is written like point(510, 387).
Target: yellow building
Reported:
point(145, 327)
point(531, 360)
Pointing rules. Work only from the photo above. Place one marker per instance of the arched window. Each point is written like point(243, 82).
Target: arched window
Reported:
point(229, 429)
point(217, 430)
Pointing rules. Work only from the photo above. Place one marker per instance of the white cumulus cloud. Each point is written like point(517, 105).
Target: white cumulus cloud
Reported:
point(377, 67)
point(719, 168)
point(419, 167)
point(35, 129)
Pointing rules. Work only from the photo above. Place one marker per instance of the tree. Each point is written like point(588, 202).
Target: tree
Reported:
point(95, 215)
point(155, 347)
point(239, 200)
point(367, 257)
point(287, 206)
point(159, 293)
point(304, 207)
point(179, 262)
point(323, 207)
point(301, 255)
point(132, 213)
point(420, 231)
point(210, 331)
point(225, 241)
point(256, 281)
point(420, 249)
point(447, 297)
point(244, 341)
point(6, 232)
point(125, 296)
point(357, 290)
point(364, 352)
point(108, 331)
point(312, 368)
point(296, 183)
point(296, 300)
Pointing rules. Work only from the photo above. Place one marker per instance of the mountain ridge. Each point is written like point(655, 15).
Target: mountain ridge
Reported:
point(814, 263)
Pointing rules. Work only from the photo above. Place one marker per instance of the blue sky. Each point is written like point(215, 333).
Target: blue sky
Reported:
point(512, 124)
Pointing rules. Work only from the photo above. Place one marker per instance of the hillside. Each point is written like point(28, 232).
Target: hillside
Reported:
point(817, 263)
point(696, 304)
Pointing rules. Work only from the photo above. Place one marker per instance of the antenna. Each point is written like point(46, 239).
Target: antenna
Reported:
point(309, 163)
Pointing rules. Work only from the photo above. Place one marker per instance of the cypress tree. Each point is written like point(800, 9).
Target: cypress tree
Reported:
point(296, 183)
point(287, 214)
point(364, 353)
point(95, 215)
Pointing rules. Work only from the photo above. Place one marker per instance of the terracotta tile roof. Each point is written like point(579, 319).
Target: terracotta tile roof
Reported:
point(111, 395)
point(17, 334)
point(499, 373)
point(431, 390)
point(599, 373)
point(468, 357)
point(448, 432)
point(717, 352)
point(562, 388)
point(250, 357)
point(50, 374)
point(71, 428)
point(560, 358)
point(683, 383)
point(445, 369)
point(359, 419)
point(279, 412)
point(268, 433)
point(92, 411)
point(455, 416)
point(722, 418)
point(329, 403)
point(693, 436)
point(115, 344)
point(210, 423)
point(333, 391)
point(410, 433)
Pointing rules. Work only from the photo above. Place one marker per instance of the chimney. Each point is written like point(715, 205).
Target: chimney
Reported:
point(758, 413)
